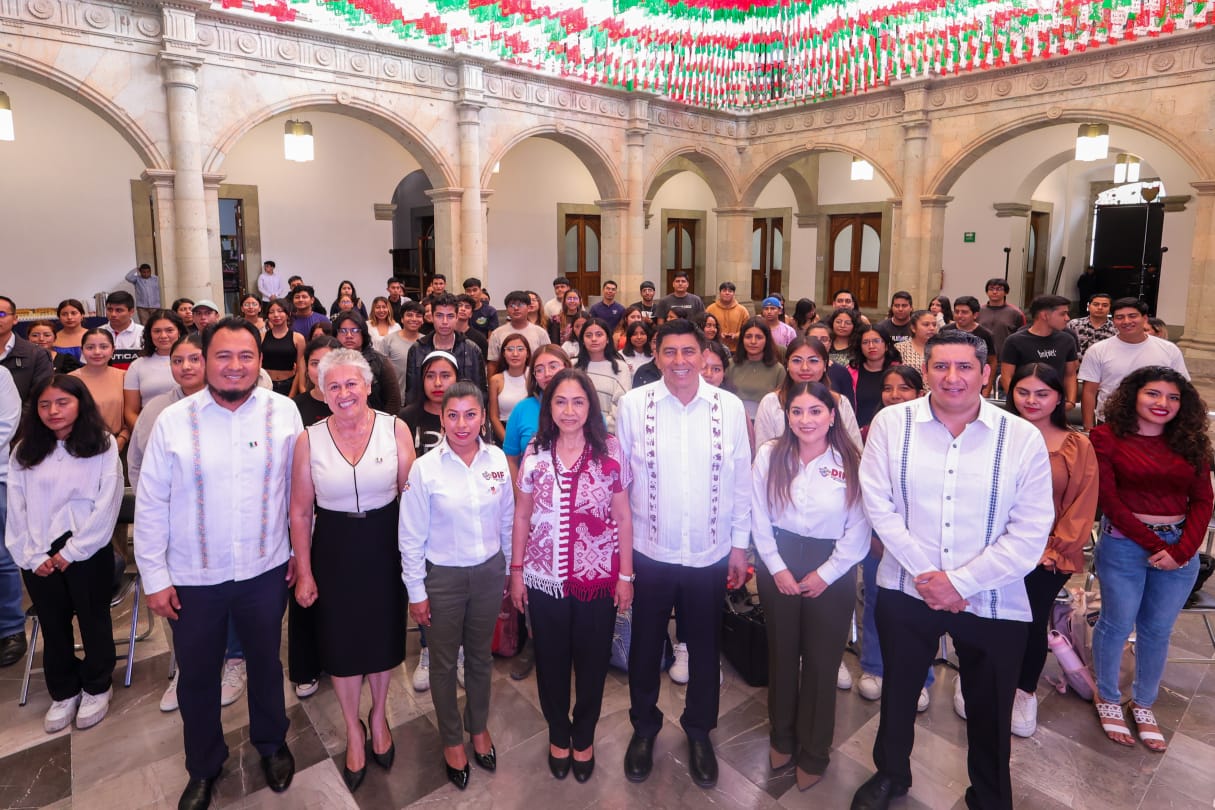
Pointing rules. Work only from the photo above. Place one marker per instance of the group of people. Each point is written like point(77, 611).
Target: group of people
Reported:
point(590, 462)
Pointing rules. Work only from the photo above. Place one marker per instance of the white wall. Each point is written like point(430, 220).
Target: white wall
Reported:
point(318, 218)
point(65, 182)
point(836, 186)
point(684, 191)
point(522, 241)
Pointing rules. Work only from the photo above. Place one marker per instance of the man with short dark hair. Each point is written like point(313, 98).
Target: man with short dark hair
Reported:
point(517, 302)
point(965, 319)
point(211, 539)
point(1096, 325)
point(998, 316)
point(270, 284)
point(205, 313)
point(396, 297)
point(303, 314)
point(686, 304)
point(955, 487)
point(844, 299)
point(730, 315)
point(438, 285)
point(28, 364)
point(293, 283)
point(466, 307)
point(470, 363)
point(609, 310)
point(147, 291)
point(553, 306)
point(484, 318)
point(1045, 341)
point(1108, 361)
point(897, 324)
point(647, 301)
point(128, 335)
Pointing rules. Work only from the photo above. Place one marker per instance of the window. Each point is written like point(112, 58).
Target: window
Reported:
point(679, 252)
point(582, 252)
point(856, 245)
point(767, 256)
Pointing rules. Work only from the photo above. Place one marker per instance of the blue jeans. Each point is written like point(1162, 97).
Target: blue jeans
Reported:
point(12, 617)
point(871, 653)
point(1136, 596)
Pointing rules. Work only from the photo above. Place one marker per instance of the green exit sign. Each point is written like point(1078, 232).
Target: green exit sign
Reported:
point(968, 236)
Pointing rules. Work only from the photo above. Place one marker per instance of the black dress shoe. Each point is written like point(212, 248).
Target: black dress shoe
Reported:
point(584, 769)
point(487, 761)
point(560, 766)
point(639, 758)
point(457, 776)
point(702, 763)
point(355, 778)
point(877, 793)
point(12, 648)
point(197, 795)
point(279, 768)
point(385, 759)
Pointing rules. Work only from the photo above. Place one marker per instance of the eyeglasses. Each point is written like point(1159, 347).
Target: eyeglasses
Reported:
point(350, 331)
point(4, 314)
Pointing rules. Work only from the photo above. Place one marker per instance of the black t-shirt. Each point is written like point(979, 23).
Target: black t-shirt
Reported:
point(1056, 349)
point(896, 333)
point(312, 410)
point(868, 394)
point(427, 427)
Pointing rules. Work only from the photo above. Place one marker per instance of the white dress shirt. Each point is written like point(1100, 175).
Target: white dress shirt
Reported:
point(10, 415)
point(213, 491)
point(817, 507)
point(691, 469)
point(271, 285)
point(978, 506)
point(63, 493)
point(147, 290)
point(141, 434)
point(129, 338)
point(454, 514)
point(770, 419)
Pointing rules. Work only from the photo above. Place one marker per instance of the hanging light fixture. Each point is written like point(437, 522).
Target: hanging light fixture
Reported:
point(1126, 169)
point(6, 117)
point(861, 169)
point(1093, 142)
point(297, 141)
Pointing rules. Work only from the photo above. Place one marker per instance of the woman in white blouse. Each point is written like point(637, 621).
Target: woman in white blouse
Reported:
point(64, 490)
point(457, 510)
point(150, 375)
point(810, 532)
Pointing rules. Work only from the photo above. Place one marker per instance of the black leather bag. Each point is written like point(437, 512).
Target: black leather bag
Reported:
point(744, 638)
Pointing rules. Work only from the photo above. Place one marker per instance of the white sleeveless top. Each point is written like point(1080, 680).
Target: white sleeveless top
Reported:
point(514, 391)
point(343, 487)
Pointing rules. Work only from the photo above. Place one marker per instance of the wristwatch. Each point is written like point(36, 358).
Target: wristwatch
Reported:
point(628, 578)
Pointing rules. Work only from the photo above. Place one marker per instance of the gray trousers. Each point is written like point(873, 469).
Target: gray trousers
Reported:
point(464, 605)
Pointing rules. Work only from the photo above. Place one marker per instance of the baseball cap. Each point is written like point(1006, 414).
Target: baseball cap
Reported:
point(207, 303)
point(771, 301)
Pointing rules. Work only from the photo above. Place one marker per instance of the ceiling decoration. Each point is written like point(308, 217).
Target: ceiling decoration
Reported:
point(743, 55)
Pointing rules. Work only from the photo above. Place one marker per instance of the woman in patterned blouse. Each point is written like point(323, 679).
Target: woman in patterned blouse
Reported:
point(572, 561)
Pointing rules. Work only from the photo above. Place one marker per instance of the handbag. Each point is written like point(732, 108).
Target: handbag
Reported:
point(744, 636)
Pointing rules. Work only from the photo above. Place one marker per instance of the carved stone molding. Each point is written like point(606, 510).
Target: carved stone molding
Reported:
point(384, 211)
point(1175, 203)
point(1011, 209)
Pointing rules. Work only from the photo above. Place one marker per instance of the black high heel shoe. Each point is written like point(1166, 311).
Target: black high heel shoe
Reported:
point(457, 776)
point(583, 768)
point(385, 759)
point(487, 761)
point(559, 766)
point(355, 778)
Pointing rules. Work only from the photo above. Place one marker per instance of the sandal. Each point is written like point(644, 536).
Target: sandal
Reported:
point(1113, 721)
point(1149, 729)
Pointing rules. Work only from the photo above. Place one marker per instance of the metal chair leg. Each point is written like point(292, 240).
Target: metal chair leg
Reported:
point(29, 664)
point(131, 640)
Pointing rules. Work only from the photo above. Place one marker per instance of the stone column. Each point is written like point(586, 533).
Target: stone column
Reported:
point(163, 227)
point(632, 271)
point(932, 245)
point(733, 251)
point(214, 257)
point(472, 217)
point(447, 203)
point(1198, 343)
point(613, 245)
point(907, 271)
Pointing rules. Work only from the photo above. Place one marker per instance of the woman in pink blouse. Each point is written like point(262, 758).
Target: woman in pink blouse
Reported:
point(572, 561)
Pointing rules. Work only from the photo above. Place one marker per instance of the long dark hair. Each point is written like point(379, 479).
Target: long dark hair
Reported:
point(337, 299)
point(769, 358)
point(890, 357)
point(816, 346)
point(628, 350)
point(149, 347)
point(35, 441)
point(1185, 434)
point(785, 463)
point(595, 430)
point(516, 337)
point(1050, 378)
point(802, 312)
point(854, 339)
point(609, 348)
point(946, 307)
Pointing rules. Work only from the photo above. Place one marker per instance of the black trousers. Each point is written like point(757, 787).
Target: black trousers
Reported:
point(1042, 586)
point(83, 591)
point(989, 654)
point(569, 633)
point(199, 639)
point(303, 649)
point(698, 596)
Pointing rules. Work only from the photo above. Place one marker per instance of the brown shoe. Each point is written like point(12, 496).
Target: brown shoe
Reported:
point(805, 781)
point(778, 760)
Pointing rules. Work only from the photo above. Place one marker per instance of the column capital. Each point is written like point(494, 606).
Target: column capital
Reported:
point(805, 220)
point(486, 193)
point(1205, 188)
point(180, 69)
point(734, 211)
point(1011, 209)
point(915, 127)
point(895, 202)
point(468, 111)
point(212, 181)
point(445, 195)
point(935, 200)
point(1175, 203)
point(159, 177)
point(613, 205)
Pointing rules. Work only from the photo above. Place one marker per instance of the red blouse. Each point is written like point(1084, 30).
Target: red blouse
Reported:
point(1140, 474)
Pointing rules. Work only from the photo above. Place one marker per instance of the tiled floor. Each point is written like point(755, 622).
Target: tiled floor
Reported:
point(134, 758)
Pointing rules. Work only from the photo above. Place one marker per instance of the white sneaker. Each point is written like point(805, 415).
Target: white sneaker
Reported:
point(460, 668)
point(679, 669)
point(93, 709)
point(61, 714)
point(421, 675)
point(959, 703)
point(921, 705)
point(843, 679)
point(1025, 714)
point(308, 688)
point(168, 701)
point(233, 685)
point(870, 686)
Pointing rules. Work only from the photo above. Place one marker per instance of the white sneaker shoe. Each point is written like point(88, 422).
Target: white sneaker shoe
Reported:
point(308, 688)
point(233, 684)
point(679, 669)
point(843, 679)
point(870, 686)
point(60, 715)
point(421, 675)
point(921, 705)
point(1025, 714)
point(168, 701)
point(959, 703)
point(460, 668)
point(93, 709)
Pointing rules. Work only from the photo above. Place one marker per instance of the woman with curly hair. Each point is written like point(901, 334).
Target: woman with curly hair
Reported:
point(845, 336)
point(1154, 458)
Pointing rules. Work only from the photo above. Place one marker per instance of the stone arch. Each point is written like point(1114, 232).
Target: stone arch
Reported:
point(700, 161)
point(784, 162)
point(949, 173)
point(412, 139)
point(73, 88)
point(599, 163)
